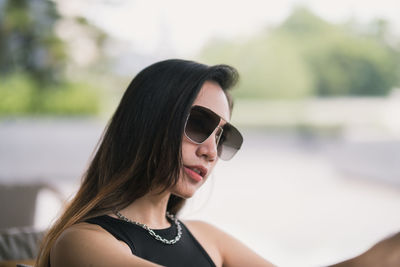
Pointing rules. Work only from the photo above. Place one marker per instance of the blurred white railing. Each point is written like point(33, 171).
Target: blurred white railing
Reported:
point(362, 116)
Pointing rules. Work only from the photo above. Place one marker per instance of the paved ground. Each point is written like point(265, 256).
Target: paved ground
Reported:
point(297, 201)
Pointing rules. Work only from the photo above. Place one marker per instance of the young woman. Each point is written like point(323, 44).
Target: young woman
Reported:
point(162, 143)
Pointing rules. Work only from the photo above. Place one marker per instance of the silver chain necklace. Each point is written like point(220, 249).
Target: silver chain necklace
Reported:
point(151, 232)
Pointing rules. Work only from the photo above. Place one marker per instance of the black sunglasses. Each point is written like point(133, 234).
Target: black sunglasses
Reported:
point(200, 125)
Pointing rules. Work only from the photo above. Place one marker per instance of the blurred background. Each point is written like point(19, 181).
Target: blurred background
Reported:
point(318, 178)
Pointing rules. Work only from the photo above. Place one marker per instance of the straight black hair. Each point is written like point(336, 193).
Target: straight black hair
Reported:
point(141, 147)
point(143, 140)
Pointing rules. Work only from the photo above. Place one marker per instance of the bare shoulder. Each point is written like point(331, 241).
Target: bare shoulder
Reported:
point(82, 233)
point(208, 232)
point(203, 227)
point(87, 244)
point(231, 251)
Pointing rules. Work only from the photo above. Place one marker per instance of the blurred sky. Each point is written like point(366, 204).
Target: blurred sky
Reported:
point(181, 28)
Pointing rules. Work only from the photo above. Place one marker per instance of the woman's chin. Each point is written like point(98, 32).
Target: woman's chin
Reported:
point(185, 188)
point(185, 192)
point(185, 195)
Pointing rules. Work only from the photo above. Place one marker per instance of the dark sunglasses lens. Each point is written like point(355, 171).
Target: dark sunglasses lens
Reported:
point(230, 142)
point(200, 124)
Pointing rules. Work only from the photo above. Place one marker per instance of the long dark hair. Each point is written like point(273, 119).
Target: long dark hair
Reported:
point(141, 147)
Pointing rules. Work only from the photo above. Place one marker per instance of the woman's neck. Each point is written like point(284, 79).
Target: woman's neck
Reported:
point(149, 209)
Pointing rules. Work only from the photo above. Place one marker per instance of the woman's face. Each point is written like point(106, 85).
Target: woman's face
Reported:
point(201, 157)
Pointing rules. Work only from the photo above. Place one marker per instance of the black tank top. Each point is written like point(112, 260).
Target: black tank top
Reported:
point(186, 252)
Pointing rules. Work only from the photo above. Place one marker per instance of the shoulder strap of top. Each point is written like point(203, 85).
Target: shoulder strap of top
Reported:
point(198, 245)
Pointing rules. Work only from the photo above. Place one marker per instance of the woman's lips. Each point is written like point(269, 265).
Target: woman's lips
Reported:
point(192, 174)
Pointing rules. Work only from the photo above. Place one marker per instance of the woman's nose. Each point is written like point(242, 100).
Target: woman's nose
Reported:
point(209, 148)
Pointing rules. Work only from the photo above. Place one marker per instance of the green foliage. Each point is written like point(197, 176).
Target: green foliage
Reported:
point(303, 24)
point(353, 67)
point(16, 94)
point(343, 62)
point(70, 99)
point(28, 42)
point(270, 67)
point(306, 55)
point(33, 60)
point(20, 95)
